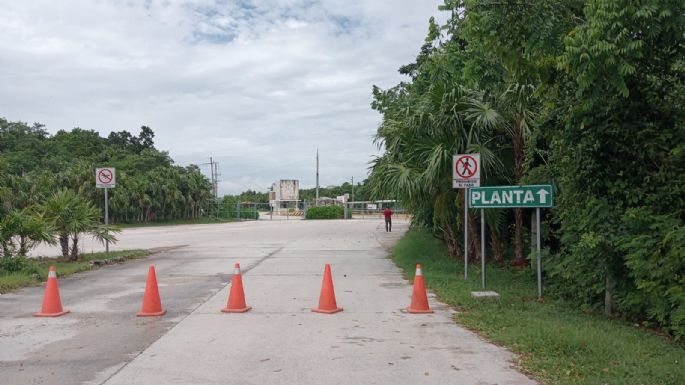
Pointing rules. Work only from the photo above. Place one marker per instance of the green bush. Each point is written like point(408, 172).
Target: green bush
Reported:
point(245, 213)
point(325, 212)
point(248, 213)
point(642, 252)
point(654, 247)
point(18, 264)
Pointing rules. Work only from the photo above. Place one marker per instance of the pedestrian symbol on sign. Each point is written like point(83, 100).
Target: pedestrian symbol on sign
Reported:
point(467, 167)
point(466, 171)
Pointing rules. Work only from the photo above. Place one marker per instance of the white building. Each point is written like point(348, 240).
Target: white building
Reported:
point(285, 193)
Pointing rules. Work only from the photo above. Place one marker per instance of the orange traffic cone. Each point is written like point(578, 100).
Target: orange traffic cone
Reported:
point(419, 301)
point(52, 304)
point(327, 298)
point(152, 305)
point(236, 298)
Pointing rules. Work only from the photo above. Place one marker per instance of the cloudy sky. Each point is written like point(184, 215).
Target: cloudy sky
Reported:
point(258, 85)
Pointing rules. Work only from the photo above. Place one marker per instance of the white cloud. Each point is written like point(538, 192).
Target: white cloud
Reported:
point(258, 85)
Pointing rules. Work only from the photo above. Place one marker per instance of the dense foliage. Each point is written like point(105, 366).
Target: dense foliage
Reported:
point(47, 185)
point(587, 95)
point(149, 186)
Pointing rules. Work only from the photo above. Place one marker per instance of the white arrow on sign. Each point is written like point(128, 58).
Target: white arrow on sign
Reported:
point(543, 196)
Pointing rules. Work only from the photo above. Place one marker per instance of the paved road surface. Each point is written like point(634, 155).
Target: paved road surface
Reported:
point(279, 342)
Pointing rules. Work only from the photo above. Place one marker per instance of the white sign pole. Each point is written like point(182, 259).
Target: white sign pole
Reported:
point(106, 218)
point(105, 177)
point(537, 215)
point(482, 246)
point(466, 174)
point(466, 233)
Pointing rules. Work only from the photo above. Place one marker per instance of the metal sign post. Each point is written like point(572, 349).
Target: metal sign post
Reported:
point(106, 218)
point(466, 233)
point(465, 174)
point(106, 178)
point(537, 244)
point(533, 196)
point(482, 246)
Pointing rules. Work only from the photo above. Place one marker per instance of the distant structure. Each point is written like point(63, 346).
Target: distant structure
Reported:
point(285, 194)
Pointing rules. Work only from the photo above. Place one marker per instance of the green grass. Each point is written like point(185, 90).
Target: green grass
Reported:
point(16, 280)
point(556, 343)
point(198, 221)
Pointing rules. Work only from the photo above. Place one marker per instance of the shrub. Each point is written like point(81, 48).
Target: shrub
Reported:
point(18, 264)
point(654, 248)
point(325, 212)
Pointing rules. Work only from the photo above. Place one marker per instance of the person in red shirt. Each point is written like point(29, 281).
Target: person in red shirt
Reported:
point(387, 213)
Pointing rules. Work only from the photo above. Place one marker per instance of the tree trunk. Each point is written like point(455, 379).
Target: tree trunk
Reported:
point(74, 249)
point(474, 239)
point(533, 240)
point(519, 158)
point(7, 248)
point(452, 244)
point(610, 288)
point(64, 244)
point(519, 257)
point(23, 247)
point(496, 247)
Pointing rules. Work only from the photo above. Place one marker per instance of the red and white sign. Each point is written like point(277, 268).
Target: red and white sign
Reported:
point(105, 177)
point(466, 171)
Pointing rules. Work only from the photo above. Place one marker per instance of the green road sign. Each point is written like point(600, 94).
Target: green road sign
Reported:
point(511, 196)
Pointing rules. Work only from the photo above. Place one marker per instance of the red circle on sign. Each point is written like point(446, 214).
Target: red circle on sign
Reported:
point(466, 166)
point(105, 176)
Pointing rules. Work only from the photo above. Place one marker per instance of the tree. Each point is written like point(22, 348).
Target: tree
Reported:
point(72, 216)
point(22, 230)
point(617, 145)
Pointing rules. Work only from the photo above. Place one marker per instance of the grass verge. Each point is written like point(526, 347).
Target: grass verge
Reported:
point(555, 342)
point(198, 221)
point(10, 281)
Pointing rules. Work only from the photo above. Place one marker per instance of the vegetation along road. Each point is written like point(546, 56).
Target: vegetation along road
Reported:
point(584, 97)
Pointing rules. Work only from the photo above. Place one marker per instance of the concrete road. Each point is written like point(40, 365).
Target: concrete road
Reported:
point(280, 341)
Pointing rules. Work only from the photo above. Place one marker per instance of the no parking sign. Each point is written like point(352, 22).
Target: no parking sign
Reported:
point(105, 177)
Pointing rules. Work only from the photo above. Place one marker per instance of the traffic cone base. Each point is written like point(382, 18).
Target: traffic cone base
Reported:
point(327, 304)
point(236, 297)
point(418, 311)
point(152, 304)
point(41, 314)
point(52, 304)
point(419, 299)
point(243, 310)
point(151, 314)
point(317, 310)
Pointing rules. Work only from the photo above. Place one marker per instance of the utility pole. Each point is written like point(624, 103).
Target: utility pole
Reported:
point(214, 175)
point(352, 189)
point(214, 168)
point(211, 172)
point(216, 186)
point(317, 177)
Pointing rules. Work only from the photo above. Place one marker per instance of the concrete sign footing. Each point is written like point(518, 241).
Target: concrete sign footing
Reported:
point(485, 294)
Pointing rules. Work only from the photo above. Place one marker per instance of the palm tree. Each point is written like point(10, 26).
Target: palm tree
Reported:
point(30, 227)
point(423, 127)
point(515, 109)
point(72, 216)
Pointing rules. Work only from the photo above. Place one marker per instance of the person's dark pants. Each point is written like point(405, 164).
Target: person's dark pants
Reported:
point(388, 224)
